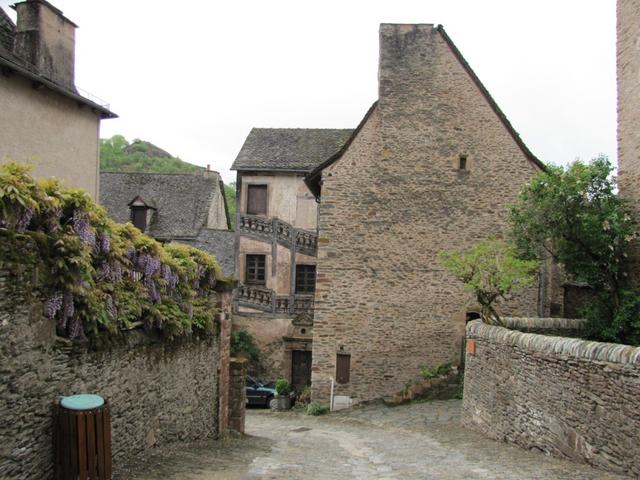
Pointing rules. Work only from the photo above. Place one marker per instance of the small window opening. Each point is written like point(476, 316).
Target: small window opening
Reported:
point(257, 200)
point(255, 272)
point(305, 279)
point(139, 217)
point(462, 165)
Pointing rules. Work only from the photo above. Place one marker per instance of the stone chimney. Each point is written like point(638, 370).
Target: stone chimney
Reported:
point(45, 38)
point(406, 56)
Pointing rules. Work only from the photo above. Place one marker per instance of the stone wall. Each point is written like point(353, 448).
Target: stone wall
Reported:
point(237, 394)
point(628, 77)
point(393, 201)
point(159, 391)
point(566, 397)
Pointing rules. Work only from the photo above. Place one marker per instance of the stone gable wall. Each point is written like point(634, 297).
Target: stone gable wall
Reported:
point(159, 391)
point(393, 202)
point(563, 396)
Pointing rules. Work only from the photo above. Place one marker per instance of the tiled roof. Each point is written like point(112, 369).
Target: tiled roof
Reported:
point(12, 62)
point(182, 201)
point(7, 31)
point(293, 149)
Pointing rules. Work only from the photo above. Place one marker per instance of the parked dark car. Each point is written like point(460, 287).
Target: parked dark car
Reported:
point(261, 394)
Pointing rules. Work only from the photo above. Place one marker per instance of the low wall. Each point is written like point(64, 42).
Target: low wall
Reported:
point(159, 391)
point(567, 397)
point(564, 327)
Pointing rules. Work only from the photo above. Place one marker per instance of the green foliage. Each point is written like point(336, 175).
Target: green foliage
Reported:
point(609, 322)
point(244, 343)
point(97, 275)
point(305, 396)
point(230, 196)
point(574, 215)
point(118, 155)
point(317, 408)
point(283, 387)
point(490, 270)
point(435, 372)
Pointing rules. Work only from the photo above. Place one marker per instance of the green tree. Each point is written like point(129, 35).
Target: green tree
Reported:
point(575, 215)
point(118, 155)
point(230, 196)
point(490, 270)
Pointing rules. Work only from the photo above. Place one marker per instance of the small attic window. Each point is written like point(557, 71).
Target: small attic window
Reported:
point(140, 213)
point(139, 217)
point(462, 162)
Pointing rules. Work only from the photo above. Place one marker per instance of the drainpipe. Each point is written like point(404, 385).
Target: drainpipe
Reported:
point(331, 402)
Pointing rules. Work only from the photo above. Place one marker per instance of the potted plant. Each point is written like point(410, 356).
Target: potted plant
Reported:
point(283, 395)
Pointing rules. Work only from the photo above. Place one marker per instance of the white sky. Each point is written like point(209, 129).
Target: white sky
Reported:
point(193, 77)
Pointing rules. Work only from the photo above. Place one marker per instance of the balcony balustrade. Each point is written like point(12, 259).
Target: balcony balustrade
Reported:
point(299, 240)
point(266, 300)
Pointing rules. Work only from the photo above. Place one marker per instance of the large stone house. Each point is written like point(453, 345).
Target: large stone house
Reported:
point(276, 243)
point(433, 166)
point(44, 121)
point(188, 208)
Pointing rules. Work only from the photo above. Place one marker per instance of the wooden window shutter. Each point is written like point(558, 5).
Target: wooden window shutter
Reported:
point(257, 200)
point(343, 368)
point(139, 217)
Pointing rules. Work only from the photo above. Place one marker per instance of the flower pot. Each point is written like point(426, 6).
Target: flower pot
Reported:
point(281, 402)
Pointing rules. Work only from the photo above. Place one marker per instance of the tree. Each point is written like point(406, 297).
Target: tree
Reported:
point(490, 270)
point(230, 196)
point(575, 215)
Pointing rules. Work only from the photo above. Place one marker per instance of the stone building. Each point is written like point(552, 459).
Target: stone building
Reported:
point(628, 83)
point(276, 243)
point(181, 207)
point(44, 121)
point(433, 166)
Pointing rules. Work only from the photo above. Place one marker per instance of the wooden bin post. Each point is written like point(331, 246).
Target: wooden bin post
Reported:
point(82, 443)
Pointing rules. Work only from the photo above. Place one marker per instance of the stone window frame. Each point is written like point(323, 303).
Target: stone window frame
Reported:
point(463, 159)
point(306, 283)
point(255, 281)
point(246, 197)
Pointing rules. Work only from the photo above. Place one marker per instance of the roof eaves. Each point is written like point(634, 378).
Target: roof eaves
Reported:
point(7, 63)
point(312, 179)
point(503, 118)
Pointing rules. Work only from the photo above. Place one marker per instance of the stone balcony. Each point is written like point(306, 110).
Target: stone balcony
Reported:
point(274, 229)
point(266, 300)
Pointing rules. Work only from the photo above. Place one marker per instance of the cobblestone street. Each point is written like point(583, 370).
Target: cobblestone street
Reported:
point(417, 441)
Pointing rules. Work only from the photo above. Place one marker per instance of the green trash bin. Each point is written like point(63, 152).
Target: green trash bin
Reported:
point(82, 438)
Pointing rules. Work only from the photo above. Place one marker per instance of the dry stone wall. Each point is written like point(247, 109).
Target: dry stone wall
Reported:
point(564, 396)
point(159, 391)
point(393, 201)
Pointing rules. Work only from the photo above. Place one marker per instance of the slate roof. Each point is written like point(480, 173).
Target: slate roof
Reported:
point(7, 31)
point(11, 62)
point(182, 201)
point(289, 149)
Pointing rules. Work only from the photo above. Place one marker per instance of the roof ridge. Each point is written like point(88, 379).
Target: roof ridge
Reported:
point(492, 103)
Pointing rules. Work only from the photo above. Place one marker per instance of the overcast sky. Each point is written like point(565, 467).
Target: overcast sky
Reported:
point(193, 77)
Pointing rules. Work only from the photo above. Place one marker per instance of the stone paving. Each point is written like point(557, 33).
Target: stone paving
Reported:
point(416, 441)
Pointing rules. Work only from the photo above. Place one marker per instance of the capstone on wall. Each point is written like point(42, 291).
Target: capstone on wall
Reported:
point(563, 396)
point(50, 132)
point(159, 391)
point(393, 202)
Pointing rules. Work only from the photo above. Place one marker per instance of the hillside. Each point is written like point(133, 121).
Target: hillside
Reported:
point(118, 155)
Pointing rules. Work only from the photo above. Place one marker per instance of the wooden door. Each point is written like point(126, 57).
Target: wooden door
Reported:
point(300, 369)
